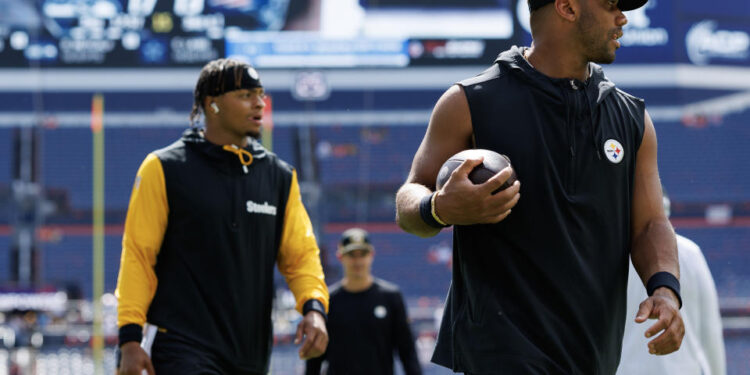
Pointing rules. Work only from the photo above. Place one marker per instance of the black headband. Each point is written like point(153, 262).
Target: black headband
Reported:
point(229, 80)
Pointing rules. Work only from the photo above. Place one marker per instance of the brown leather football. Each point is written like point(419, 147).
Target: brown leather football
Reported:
point(491, 165)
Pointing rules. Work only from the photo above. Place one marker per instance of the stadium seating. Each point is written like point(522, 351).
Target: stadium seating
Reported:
point(725, 249)
point(5, 260)
point(67, 263)
point(358, 169)
point(6, 173)
point(377, 155)
point(6, 155)
point(737, 347)
point(67, 161)
point(71, 361)
point(705, 164)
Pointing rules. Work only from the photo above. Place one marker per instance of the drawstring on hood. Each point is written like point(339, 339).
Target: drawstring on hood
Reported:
point(242, 154)
point(246, 155)
point(597, 87)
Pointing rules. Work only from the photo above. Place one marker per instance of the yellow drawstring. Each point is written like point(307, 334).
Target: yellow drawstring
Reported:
point(241, 153)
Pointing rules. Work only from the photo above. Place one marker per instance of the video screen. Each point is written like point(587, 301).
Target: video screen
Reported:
point(270, 33)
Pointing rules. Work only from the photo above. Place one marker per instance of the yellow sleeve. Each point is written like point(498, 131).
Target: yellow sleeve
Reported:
point(144, 230)
point(299, 256)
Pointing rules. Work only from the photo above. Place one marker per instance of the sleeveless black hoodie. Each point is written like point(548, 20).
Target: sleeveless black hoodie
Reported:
point(543, 291)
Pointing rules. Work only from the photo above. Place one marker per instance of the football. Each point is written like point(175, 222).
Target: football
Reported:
point(491, 165)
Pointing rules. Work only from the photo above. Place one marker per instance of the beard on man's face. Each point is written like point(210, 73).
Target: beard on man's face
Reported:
point(607, 53)
point(595, 43)
point(604, 57)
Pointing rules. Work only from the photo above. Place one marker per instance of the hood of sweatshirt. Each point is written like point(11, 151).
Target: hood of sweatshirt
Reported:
point(232, 155)
point(597, 87)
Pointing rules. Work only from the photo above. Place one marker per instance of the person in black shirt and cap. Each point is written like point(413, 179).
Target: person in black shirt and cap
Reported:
point(367, 319)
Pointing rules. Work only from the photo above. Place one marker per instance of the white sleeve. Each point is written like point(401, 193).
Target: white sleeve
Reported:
point(702, 350)
point(708, 326)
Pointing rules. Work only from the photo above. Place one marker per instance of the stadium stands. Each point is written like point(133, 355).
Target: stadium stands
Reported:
point(6, 155)
point(705, 164)
point(5, 260)
point(70, 361)
point(725, 249)
point(358, 167)
point(67, 160)
point(6, 173)
point(67, 263)
point(377, 155)
point(738, 353)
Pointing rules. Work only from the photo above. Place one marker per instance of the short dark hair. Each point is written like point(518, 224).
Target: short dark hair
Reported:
point(214, 80)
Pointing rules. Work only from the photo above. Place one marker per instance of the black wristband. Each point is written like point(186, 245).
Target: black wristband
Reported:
point(425, 211)
point(130, 332)
point(314, 305)
point(664, 279)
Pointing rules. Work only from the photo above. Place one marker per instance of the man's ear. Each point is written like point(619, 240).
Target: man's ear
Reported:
point(567, 9)
point(207, 104)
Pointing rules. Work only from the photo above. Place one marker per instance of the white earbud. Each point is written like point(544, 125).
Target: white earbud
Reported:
point(215, 107)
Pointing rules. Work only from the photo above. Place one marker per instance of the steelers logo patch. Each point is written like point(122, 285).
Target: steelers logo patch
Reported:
point(380, 311)
point(252, 73)
point(614, 151)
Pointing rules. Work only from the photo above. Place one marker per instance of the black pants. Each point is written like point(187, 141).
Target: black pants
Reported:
point(172, 355)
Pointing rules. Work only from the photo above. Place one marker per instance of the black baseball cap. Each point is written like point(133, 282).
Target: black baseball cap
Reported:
point(354, 239)
point(624, 5)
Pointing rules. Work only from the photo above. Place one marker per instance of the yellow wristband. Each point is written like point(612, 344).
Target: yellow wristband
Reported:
point(432, 210)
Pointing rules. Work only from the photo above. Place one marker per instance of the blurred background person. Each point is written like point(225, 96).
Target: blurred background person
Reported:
point(702, 350)
point(367, 320)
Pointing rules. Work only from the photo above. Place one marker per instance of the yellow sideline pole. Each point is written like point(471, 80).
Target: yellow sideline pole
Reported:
point(97, 130)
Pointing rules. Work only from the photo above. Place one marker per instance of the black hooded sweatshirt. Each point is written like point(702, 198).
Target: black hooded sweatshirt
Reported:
point(206, 224)
point(543, 291)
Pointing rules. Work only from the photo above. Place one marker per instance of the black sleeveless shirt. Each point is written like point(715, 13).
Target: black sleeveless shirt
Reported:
point(543, 291)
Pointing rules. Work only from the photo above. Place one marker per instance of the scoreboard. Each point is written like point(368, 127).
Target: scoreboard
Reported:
point(338, 33)
point(126, 33)
point(270, 33)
